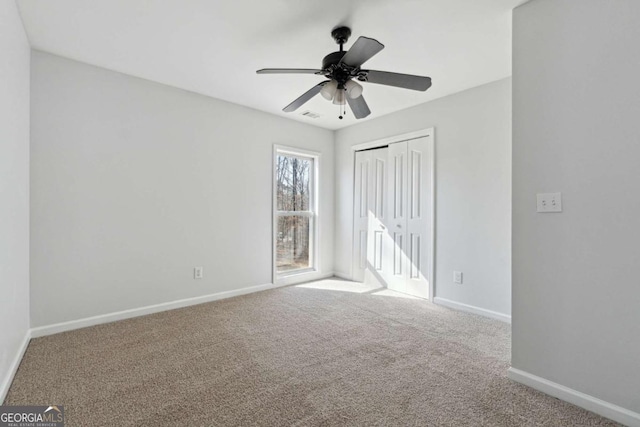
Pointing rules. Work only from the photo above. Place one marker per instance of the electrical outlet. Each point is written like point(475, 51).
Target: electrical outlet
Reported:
point(457, 277)
point(198, 272)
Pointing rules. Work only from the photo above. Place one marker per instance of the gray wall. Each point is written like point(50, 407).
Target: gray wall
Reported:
point(576, 111)
point(473, 190)
point(135, 183)
point(14, 188)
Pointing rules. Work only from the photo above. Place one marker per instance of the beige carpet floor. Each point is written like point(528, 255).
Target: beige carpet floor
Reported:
point(330, 353)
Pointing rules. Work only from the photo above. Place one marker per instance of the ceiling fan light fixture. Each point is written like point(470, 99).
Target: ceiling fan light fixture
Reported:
point(341, 97)
point(329, 90)
point(354, 89)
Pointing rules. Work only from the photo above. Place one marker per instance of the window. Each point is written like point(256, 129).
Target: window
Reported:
point(294, 211)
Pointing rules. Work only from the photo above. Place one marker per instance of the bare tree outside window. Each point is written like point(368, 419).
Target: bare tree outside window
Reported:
point(294, 186)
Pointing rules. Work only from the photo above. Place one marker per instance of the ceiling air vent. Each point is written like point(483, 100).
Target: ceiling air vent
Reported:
point(311, 114)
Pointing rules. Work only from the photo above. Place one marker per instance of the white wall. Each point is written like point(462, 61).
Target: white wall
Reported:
point(134, 183)
point(14, 189)
point(576, 95)
point(473, 190)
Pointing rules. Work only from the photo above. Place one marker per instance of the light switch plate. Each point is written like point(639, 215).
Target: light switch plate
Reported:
point(198, 272)
point(549, 202)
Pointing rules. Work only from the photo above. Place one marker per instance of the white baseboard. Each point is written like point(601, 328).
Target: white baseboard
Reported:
point(135, 312)
point(13, 368)
point(590, 403)
point(472, 309)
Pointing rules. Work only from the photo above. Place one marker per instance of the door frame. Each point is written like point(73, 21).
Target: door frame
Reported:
point(382, 142)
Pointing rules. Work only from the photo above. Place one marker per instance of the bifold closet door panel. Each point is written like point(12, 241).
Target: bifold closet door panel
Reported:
point(378, 239)
point(397, 217)
point(419, 199)
point(361, 213)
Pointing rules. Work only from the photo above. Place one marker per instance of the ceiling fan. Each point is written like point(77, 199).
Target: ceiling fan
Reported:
point(341, 68)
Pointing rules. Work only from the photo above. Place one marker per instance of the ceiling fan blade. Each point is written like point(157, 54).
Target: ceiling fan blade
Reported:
point(406, 81)
point(362, 50)
point(288, 71)
point(305, 97)
point(359, 107)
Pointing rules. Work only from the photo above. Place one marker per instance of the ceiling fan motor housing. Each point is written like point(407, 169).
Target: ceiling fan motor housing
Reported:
point(331, 61)
point(339, 71)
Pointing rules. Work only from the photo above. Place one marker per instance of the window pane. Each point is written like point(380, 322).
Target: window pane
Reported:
point(292, 244)
point(293, 183)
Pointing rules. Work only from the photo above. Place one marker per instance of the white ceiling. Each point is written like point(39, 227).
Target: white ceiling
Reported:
point(214, 47)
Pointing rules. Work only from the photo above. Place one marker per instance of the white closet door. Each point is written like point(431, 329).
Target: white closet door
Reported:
point(397, 217)
point(361, 214)
point(419, 211)
point(393, 216)
point(378, 237)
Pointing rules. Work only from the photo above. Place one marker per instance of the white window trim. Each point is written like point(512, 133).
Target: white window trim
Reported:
point(314, 256)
